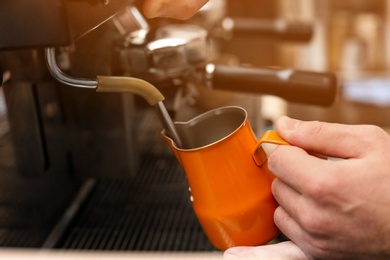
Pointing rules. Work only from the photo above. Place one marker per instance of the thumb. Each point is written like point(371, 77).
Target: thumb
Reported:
point(281, 251)
point(329, 139)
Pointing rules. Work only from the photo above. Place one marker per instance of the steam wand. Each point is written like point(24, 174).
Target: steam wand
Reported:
point(120, 85)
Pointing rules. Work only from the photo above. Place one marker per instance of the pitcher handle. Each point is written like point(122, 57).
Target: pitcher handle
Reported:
point(270, 136)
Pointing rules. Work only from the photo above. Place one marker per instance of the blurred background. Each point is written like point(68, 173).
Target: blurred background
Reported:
point(82, 170)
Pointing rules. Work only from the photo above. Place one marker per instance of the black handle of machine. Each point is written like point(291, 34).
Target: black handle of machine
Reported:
point(293, 85)
point(276, 29)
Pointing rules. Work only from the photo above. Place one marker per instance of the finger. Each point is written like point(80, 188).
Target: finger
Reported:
point(281, 251)
point(291, 229)
point(336, 140)
point(287, 225)
point(178, 9)
point(289, 199)
point(299, 170)
point(320, 246)
point(302, 210)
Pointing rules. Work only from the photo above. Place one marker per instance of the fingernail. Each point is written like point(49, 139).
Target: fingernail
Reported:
point(159, 9)
point(286, 123)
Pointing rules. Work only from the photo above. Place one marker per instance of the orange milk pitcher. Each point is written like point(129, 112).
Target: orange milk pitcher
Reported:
point(228, 177)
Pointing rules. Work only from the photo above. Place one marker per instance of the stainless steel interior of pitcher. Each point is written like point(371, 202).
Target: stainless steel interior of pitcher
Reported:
point(210, 127)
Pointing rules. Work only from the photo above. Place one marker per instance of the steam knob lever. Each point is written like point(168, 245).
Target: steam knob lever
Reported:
point(315, 88)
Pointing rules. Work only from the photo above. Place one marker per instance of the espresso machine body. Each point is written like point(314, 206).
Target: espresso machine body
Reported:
point(83, 170)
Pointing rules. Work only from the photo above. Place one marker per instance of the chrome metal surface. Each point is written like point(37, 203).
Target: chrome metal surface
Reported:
point(210, 127)
point(131, 24)
point(168, 124)
point(167, 56)
point(62, 77)
point(175, 50)
point(194, 38)
point(208, 75)
point(64, 222)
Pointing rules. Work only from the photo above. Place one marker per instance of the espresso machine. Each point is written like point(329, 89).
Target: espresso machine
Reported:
point(86, 169)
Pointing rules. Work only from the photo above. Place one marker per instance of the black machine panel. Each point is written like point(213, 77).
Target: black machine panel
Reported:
point(42, 23)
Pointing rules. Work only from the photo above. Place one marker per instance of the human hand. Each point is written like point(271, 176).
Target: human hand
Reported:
point(281, 251)
point(333, 209)
point(178, 9)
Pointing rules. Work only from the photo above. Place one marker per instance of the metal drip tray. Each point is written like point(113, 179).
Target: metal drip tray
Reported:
point(150, 212)
point(30, 209)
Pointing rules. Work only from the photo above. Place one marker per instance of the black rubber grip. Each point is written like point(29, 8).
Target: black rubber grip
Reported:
point(275, 29)
point(315, 88)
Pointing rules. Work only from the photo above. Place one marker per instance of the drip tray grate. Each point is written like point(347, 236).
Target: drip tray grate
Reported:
point(150, 212)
